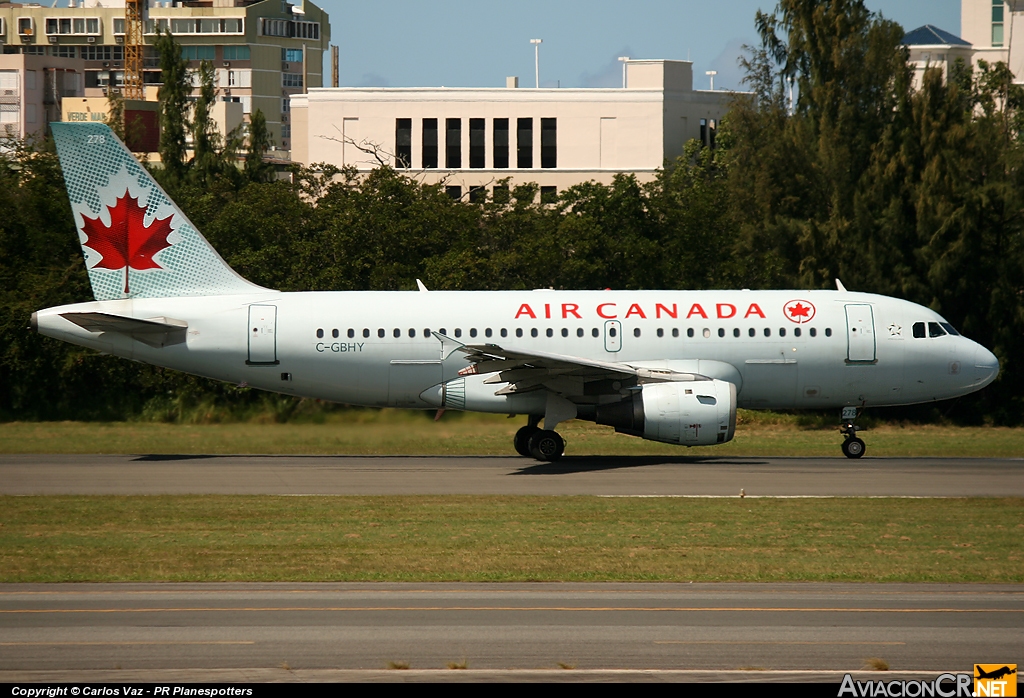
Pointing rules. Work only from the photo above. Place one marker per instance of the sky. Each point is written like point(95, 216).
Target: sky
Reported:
point(469, 43)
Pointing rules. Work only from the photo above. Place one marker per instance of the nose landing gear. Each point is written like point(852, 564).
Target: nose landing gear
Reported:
point(853, 447)
point(533, 442)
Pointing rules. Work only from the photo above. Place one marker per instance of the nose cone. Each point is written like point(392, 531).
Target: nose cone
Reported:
point(986, 366)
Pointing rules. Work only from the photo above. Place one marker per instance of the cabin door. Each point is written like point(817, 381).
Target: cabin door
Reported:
point(612, 335)
point(860, 334)
point(262, 334)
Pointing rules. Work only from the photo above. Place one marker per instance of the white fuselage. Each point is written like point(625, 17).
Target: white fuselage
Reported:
point(783, 349)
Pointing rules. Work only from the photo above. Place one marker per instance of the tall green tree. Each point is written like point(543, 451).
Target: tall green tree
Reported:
point(174, 107)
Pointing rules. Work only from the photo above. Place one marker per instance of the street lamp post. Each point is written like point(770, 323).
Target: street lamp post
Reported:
point(625, 60)
point(536, 59)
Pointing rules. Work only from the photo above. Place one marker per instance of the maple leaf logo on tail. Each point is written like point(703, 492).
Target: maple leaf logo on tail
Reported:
point(127, 243)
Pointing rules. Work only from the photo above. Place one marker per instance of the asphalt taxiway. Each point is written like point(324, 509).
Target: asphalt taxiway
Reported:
point(497, 627)
point(598, 475)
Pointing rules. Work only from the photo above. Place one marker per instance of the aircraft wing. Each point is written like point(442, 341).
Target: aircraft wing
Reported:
point(566, 375)
point(156, 332)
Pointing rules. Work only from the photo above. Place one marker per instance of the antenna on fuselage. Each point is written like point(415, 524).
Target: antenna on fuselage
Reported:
point(839, 286)
point(421, 286)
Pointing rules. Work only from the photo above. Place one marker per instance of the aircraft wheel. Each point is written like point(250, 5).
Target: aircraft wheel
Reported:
point(521, 441)
point(853, 448)
point(546, 445)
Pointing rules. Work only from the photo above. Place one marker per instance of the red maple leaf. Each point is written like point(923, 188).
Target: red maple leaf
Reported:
point(799, 310)
point(127, 242)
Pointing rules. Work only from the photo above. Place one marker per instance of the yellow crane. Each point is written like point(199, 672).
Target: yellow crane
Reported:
point(134, 11)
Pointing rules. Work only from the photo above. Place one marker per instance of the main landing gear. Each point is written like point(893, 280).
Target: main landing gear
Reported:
point(533, 442)
point(853, 447)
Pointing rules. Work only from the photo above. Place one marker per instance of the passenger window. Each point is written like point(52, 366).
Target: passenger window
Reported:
point(707, 333)
point(412, 332)
point(934, 330)
point(782, 331)
point(351, 333)
point(335, 333)
point(504, 332)
point(426, 331)
point(636, 332)
point(380, 333)
point(796, 332)
point(611, 331)
point(721, 332)
point(397, 333)
point(565, 332)
point(458, 331)
point(661, 332)
point(736, 332)
point(751, 332)
point(472, 332)
point(689, 331)
point(443, 331)
point(595, 332)
point(814, 331)
point(319, 334)
point(487, 332)
point(533, 332)
point(519, 332)
point(918, 330)
point(550, 332)
point(828, 331)
point(767, 332)
point(366, 332)
point(579, 331)
point(675, 331)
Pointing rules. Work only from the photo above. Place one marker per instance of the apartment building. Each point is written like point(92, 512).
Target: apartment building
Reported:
point(32, 89)
point(992, 27)
point(264, 51)
point(470, 138)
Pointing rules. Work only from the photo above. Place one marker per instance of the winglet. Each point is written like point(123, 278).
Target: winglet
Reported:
point(839, 286)
point(421, 286)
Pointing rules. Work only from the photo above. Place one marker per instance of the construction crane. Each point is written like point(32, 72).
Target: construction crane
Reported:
point(134, 15)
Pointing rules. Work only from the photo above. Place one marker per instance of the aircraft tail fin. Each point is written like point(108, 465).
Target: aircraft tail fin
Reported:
point(136, 241)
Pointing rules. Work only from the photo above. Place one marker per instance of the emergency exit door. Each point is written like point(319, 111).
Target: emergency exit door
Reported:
point(262, 335)
point(612, 335)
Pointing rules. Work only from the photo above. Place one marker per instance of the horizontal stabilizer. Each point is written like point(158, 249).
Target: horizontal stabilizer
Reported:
point(156, 332)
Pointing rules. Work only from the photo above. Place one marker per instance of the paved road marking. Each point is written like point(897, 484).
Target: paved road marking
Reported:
point(126, 642)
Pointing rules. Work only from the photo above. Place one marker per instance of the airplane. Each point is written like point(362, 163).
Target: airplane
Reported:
point(668, 366)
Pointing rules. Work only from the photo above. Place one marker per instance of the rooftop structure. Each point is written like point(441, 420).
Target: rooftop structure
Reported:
point(931, 47)
point(470, 138)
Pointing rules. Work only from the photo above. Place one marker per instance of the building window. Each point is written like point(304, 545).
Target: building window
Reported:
point(453, 143)
point(548, 143)
point(500, 137)
point(501, 194)
point(291, 79)
point(291, 55)
point(549, 195)
point(237, 53)
point(476, 145)
point(403, 143)
point(25, 26)
point(997, 22)
point(429, 143)
point(524, 143)
point(456, 195)
point(478, 195)
point(198, 53)
point(118, 25)
point(67, 52)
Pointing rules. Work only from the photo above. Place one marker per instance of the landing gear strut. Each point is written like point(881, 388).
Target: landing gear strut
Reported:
point(533, 442)
point(853, 447)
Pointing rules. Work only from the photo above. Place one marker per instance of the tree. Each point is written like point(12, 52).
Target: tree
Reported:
point(206, 160)
point(174, 107)
point(256, 170)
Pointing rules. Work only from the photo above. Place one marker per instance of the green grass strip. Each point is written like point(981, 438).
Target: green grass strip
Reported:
point(496, 538)
point(410, 433)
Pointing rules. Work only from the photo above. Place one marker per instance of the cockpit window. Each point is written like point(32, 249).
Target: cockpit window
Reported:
point(918, 330)
point(934, 330)
point(949, 328)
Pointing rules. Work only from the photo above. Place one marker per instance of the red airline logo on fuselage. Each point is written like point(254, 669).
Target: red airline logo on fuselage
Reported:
point(614, 311)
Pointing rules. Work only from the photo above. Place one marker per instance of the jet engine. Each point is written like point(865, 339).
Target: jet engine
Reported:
point(690, 413)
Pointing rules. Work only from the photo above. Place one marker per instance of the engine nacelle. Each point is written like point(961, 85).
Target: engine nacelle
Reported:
point(690, 413)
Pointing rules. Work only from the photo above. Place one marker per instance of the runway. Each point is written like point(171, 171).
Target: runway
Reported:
point(609, 476)
point(711, 628)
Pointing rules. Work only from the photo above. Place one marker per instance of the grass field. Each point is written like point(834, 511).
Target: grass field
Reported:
point(392, 432)
point(459, 538)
